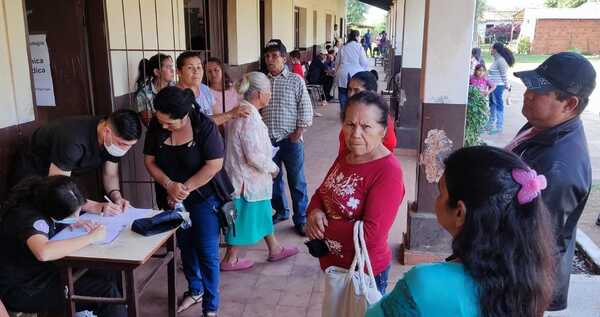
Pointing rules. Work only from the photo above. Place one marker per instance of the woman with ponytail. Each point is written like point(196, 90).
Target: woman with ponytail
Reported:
point(221, 86)
point(249, 164)
point(490, 202)
point(29, 281)
point(154, 74)
point(184, 154)
point(498, 74)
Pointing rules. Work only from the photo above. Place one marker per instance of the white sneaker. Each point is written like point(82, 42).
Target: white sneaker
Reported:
point(85, 313)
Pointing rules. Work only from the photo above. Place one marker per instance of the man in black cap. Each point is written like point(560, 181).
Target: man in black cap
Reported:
point(553, 143)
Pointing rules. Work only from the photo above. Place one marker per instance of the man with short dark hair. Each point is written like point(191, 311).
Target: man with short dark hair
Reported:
point(76, 144)
point(553, 143)
point(287, 115)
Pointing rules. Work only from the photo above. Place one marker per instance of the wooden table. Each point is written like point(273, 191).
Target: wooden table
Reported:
point(126, 253)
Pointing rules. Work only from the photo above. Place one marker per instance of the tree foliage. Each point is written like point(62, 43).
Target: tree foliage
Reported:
point(355, 11)
point(563, 3)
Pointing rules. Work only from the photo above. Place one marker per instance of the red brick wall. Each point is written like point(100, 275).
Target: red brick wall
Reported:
point(554, 35)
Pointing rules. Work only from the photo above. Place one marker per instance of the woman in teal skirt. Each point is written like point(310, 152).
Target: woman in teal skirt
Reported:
point(249, 164)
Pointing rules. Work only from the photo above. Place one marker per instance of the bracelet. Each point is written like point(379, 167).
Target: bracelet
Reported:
point(168, 184)
point(112, 191)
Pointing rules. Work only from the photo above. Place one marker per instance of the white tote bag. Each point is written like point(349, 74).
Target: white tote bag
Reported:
point(349, 292)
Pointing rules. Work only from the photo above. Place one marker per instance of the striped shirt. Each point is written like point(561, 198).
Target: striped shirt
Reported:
point(498, 71)
point(289, 108)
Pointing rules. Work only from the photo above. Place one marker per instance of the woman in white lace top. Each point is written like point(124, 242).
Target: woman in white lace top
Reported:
point(249, 164)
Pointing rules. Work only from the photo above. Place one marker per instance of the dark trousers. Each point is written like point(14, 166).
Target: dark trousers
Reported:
point(343, 97)
point(52, 298)
point(292, 156)
point(327, 84)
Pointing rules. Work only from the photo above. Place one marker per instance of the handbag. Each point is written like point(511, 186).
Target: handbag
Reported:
point(227, 215)
point(349, 292)
point(227, 212)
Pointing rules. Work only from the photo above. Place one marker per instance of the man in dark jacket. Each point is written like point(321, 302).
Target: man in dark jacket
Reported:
point(553, 143)
point(317, 74)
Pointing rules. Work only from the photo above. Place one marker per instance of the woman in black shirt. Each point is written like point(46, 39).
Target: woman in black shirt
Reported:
point(184, 154)
point(29, 281)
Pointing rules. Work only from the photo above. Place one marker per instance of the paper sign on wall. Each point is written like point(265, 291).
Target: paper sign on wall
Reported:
point(40, 67)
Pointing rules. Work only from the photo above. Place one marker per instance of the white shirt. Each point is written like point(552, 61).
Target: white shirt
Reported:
point(248, 157)
point(351, 59)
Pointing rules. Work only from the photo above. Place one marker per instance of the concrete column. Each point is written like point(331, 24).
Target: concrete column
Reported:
point(413, 17)
point(446, 53)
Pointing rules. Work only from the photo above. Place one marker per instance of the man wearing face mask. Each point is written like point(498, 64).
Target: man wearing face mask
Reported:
point(78, 144)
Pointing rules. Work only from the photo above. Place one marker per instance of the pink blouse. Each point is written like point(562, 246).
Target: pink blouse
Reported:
point(232, 99)
point(249, 157)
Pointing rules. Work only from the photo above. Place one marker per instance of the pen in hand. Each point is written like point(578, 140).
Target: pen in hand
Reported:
point(109, 201)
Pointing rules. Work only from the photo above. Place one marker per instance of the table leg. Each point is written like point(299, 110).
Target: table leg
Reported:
point(67, 277)
point(171, 278)
point(132, 298)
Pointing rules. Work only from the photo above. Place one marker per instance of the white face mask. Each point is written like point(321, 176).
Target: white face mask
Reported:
point(114, 150)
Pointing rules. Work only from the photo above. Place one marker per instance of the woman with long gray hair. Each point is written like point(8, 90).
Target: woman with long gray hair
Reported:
point(249, 164)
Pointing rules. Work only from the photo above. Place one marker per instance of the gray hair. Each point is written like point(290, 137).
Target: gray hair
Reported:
point(252, 82)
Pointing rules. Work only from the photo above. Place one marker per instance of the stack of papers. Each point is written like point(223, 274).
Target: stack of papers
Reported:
point(114, 224)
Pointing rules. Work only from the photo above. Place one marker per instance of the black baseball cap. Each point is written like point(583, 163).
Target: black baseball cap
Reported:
point(276, 45)
point(568, 72)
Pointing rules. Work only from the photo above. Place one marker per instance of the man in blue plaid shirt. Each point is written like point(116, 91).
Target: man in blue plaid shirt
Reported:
point(288, 114)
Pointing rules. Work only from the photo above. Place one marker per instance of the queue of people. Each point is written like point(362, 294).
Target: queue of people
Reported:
point(512, 212)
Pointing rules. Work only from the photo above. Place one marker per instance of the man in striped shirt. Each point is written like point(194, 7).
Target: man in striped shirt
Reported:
point(287, 115)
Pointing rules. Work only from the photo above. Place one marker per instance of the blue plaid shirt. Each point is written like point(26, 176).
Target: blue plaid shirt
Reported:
point(289, 108)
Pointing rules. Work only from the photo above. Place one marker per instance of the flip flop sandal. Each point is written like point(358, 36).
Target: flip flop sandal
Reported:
point(239, 265)
point(286, 252)
point(196, 299)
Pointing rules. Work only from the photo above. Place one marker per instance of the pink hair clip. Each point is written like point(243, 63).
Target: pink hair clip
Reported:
point(531, 184)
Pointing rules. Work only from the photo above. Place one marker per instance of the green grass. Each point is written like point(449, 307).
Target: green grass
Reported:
point(522, 58)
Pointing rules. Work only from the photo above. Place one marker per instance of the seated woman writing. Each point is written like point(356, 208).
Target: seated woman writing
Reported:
point(29, 281)
point(490, 203)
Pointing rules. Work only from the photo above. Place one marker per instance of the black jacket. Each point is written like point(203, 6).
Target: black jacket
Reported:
point(561, 154)
point(316, 72)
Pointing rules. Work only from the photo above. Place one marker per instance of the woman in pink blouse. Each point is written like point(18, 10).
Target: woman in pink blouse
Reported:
point(365, 184)
point(220, 83)
point(249, 164)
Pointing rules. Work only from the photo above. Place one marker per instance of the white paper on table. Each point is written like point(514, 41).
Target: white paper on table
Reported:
point(114, 224)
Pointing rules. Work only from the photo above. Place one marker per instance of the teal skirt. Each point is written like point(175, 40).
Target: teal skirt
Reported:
point(253, 223)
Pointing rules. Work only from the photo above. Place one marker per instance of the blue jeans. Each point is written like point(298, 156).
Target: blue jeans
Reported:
point(496, 109)
point(343, 98)
point(200, 252)
point(381, 280)
point(292, 156)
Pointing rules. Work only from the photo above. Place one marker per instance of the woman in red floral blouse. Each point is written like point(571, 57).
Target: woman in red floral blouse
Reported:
point(365, 184)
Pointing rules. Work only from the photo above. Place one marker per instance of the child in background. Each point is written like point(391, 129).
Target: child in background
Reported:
point(296, 65)
point(480, 80)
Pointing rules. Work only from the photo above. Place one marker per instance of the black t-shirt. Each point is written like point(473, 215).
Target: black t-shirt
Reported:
point(19, 269)
point(71, 144)
point(180, 162)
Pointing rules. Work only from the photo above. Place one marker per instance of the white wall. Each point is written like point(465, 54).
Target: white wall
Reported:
point(413, 33)
point(15, 82)
point(282, 16)
point(243, 31)
point(165, 33)
point(449, 39)
point(398, 22)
